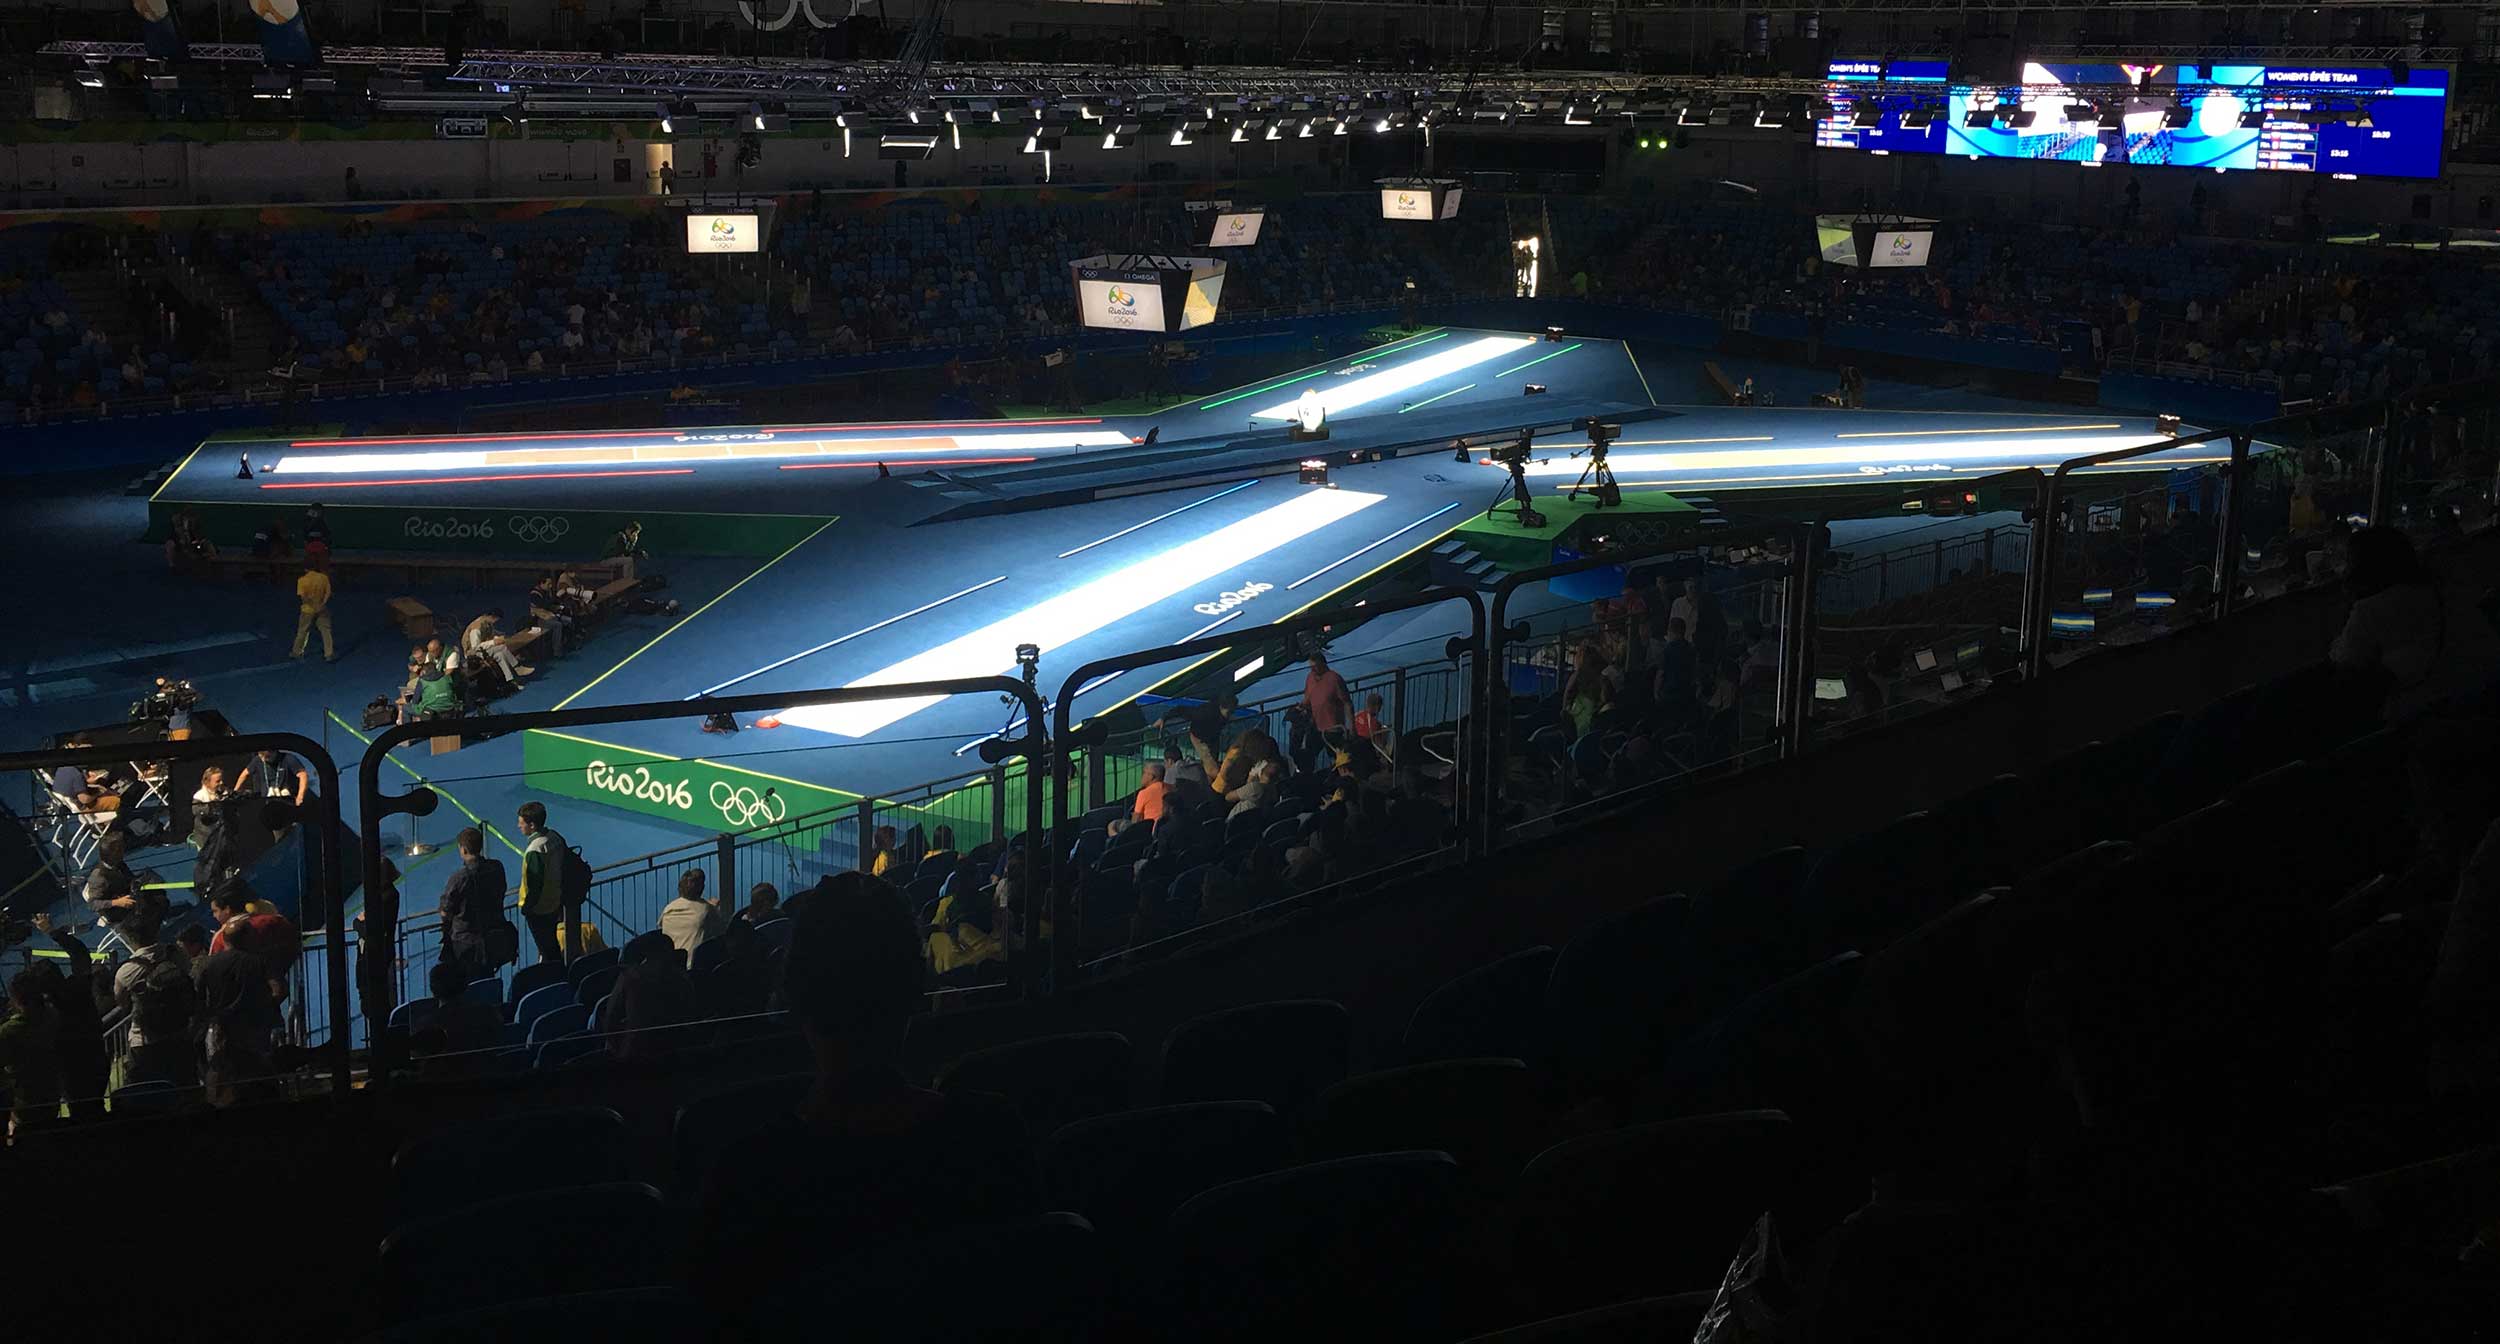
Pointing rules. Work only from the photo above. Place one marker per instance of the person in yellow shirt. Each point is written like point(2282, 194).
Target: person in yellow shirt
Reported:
point(312, 593)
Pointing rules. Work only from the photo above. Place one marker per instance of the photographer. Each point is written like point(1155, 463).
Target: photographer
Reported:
point(625, 548)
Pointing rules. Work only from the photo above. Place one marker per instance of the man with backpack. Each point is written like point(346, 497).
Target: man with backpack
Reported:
point(553, 880)
point(154, 986)
point(475, 929)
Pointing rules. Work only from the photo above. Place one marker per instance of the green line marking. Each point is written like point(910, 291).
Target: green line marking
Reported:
point(1433, 398)
point(567, 701)
point(481, 822)
point(1297, 375)
point(1541, 359)
point(165, 886)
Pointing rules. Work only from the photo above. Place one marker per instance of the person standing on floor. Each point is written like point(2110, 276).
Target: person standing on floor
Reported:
point(312, 595)
point(542, 879)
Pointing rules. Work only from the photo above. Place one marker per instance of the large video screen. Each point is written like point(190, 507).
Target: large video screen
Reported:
point(1237, 228)
point(1889, 135)
point(1123, 303)
point(2408, 122)
point(722, 233)
point(1900, 247)
point(1406, 203)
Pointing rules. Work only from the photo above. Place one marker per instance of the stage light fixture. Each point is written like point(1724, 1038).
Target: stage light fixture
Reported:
point(1044, 139)
point(2021, 118)
point(2083, 114)
point(1867, 113)
point(1980, 118)
point(90, 77)
point(1341, 127)
point(907, 145)
point(667, 126)
point(1181, 132)
point(2176, 116)
point(1304, 133)
point(1918, 118)
point(1120, 136)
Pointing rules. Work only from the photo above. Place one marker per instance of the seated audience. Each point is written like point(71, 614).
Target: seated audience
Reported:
point(691, 920)
point(653, 992)
point(763, 904)
point(851, 1167)
point(2424, 641)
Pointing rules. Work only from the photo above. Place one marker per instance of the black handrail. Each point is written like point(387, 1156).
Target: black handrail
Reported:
point(2036, 635)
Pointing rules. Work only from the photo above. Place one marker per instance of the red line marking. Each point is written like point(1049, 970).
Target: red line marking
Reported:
point(672, 434)
point(465, 480)
point(928, 462)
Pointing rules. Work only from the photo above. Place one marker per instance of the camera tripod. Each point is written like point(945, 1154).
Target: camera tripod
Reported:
point(1514, 496)
point(1597, 478)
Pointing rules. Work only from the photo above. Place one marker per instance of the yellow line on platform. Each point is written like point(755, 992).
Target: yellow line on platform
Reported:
point(177, 472)
point(681, 624)
point(1626, 346)
point(439, 791)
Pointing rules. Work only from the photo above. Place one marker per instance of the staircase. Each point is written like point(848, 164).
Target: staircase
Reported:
point(253, 334)
point(1454, 564)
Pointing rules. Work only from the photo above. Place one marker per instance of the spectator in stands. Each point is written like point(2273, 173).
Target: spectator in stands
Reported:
point(1147, 806)
point(238, 1016)
point(474, 926)
point(690, 921)
point(883, 858)
point(2422, 642)
point(1206, 722)
point(654, 991)
point(153, 985)
point(1324, 695)
point(868, 1158)
point(1257, 791)
point(113, 896)
point(185, 546)
point(542, 880)
point(963, 941)
point(1181, 771)
point(1370, 726)
point(941, 845)
point(763, 904)
point(1704, 622)
point(30, 1051)
point(461, 1024)
point(86, 1063)
point(258, 929)
point(312, 596)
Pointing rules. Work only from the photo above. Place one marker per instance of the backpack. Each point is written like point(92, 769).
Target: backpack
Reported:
point(576, 876)
point(164, 1003)
point(501, 943)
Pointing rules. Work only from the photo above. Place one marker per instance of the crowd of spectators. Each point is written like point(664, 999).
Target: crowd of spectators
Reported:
point(490, 300)
point(57, 355)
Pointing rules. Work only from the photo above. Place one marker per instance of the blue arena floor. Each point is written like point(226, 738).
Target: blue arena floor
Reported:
point(880, 593)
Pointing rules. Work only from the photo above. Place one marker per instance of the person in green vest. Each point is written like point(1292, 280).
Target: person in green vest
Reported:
point(542, 879)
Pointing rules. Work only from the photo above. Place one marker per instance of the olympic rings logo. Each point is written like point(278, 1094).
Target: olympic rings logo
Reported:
point(537, 529)
point(742, 806)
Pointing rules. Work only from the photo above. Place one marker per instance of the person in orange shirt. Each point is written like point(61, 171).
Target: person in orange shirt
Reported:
point(312, 594)
point(1148, 807)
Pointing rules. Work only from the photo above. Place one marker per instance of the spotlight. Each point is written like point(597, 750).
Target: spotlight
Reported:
point(1121, 135)
point(2176, 115)
point(1867, 113)
point(1918, 118)
point(2083, 114)
point(1980, 118)
point(2021, 118)
point(1044, 139)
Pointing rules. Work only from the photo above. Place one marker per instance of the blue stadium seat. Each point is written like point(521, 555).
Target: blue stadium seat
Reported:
point(1282, 1053)
point(564, 1020)
point(1127, 1171)
point(539, 1002)
point(1053, 1080)
point(544, 1242)
point(508, 1154)
point(1694, 1186)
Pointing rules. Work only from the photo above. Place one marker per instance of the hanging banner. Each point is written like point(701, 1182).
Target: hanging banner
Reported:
point(158, 31)
point(283, 37)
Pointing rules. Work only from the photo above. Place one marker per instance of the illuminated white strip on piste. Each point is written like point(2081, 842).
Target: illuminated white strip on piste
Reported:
point(1080, 611)
point(2014, 451)
point(1345, 396)
point(357, 464)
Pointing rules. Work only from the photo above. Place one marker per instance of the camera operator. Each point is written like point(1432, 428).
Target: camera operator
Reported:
point(625, 548)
